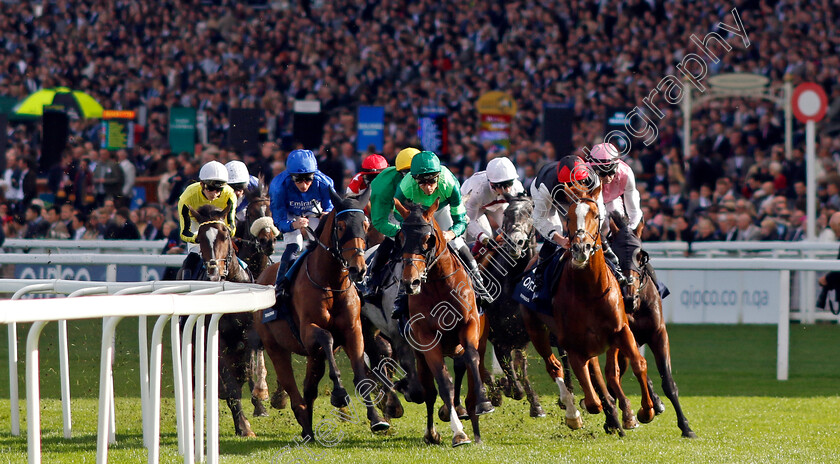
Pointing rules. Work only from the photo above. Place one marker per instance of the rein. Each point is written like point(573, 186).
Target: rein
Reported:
point(429, 265)
point(335, 252)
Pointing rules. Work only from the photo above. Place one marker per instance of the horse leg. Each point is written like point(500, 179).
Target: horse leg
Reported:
point(314, 374)
point(515, 363)
point(486, 378)
point(392, 406)
point(505, 362)
point(539, 335)
point(282, 361)
point(324, 339)
point(230, 389)
point(426, 379)
point(611, 424)
point(460, 369)
point(521, 360)
point(256, 374)
point(354, 349)
point(482, 403)
point(613, 374)
point(410, 385)
point(661, 352)
point(627, 345)
point(434, 359)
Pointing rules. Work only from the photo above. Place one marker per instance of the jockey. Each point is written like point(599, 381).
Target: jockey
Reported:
point(300, 196)
point(371, 167)
point(484, 199)
point(430, 181)
point(382, 189)
point(212, 189)
point(618, 183)
point(551, 203)
point(240, 181)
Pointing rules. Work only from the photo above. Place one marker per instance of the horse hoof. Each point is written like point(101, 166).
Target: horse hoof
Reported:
point(574, 423)
point(483, 408)
point(645, 415)
point(260, 394)
point(339, 398)
point(496, 398)
point(462, 412)
point(460, 439)
point(443, 413)
point(630, 423)
point(260, 412)
point(689, 434)
point(659, 407)
point(537, 411)
point(280, 399)
point(518, 394)
point(431, 438)
point(394, 411)
point(380, 426)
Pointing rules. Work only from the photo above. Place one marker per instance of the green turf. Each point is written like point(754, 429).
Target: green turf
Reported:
point(726, 376)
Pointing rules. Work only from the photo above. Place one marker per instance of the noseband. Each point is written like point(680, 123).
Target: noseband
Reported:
point(214, 263)
point(334, 249)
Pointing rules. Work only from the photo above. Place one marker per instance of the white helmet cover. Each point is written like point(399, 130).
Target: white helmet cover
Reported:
point(213, 170)
point(500, 170)
point(237, 172)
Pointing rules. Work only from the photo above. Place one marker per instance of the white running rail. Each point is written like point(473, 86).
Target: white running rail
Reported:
point(130, 299)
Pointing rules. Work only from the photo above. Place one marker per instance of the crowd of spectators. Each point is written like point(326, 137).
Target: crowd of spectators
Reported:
point(734, 184)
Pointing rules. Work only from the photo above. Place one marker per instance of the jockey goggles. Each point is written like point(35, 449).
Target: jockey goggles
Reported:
point(238, 187)
point(214, 186)
point(605, 168)
point(299, 178)
point(500, 185)
point(426, 179)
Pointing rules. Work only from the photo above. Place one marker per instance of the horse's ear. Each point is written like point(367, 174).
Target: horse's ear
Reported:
point(226, 210)
point(596, 191)
point(508, 197)
point(432, 209)
point(644, 258)
point(193, 212)
point(640, 229)
point(335, 197)
point(364, 198)
point(613, 225)
point(401, 209)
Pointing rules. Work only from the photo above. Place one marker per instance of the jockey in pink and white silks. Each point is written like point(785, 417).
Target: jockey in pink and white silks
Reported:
point(484, 199)
point(618, 183)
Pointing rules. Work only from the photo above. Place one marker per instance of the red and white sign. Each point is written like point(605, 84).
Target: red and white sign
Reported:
point(809, 102)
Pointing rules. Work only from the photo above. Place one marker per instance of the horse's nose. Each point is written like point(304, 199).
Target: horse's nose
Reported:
point(575, 248)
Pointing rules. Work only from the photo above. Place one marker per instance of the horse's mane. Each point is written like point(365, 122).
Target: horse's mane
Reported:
point(210, 212)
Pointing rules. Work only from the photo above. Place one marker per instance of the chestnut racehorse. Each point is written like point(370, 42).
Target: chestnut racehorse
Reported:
point(443, 318)
point(646, 319)
point(325, 311)
point(221, 263)
point(255, 237)
point(588, 318)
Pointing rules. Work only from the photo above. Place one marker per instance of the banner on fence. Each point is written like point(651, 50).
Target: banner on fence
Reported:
point(721, 297)
point(88, 272)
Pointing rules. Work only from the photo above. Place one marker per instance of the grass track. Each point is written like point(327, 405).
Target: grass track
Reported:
point(726, 376)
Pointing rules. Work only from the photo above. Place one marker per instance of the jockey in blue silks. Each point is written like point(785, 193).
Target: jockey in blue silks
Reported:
point(300, 196)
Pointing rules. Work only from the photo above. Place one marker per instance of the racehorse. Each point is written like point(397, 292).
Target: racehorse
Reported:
point(646, 319)
point(221, 263)
point(323, 314)
point(588, 318)
point(255, 237)
point(443, 318)
point(503, 263)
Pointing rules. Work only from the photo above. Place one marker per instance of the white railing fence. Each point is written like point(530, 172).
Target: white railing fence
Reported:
point(167, 300)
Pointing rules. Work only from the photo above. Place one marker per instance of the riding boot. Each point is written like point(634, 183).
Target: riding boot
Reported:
point(475, 273)
point(619, 274)
point(282, 287)
point(380, 259)
point(400, 306)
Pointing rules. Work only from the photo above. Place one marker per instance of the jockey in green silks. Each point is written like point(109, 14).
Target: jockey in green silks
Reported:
point(429, 181)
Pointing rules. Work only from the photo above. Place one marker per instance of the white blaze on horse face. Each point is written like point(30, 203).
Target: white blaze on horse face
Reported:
point(568, 399)
point(580, 211)
point(211, 235)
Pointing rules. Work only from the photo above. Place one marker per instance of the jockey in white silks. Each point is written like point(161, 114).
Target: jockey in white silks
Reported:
point(484, 199)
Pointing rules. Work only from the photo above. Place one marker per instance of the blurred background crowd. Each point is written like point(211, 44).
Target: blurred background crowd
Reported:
point(734, 184)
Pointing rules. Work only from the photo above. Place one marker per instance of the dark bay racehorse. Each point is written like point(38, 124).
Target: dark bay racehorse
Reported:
point(646, 319)
point(503, 264)
point(443, 318)
point(255, 237)
point(220, 263)
point(324, 314)
point(588, 318)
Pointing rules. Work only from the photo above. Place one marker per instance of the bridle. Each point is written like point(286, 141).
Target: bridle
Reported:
point(424, 274)
point(214, 263)
point(507, 243)
point(334, 249)
point(582, 234)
